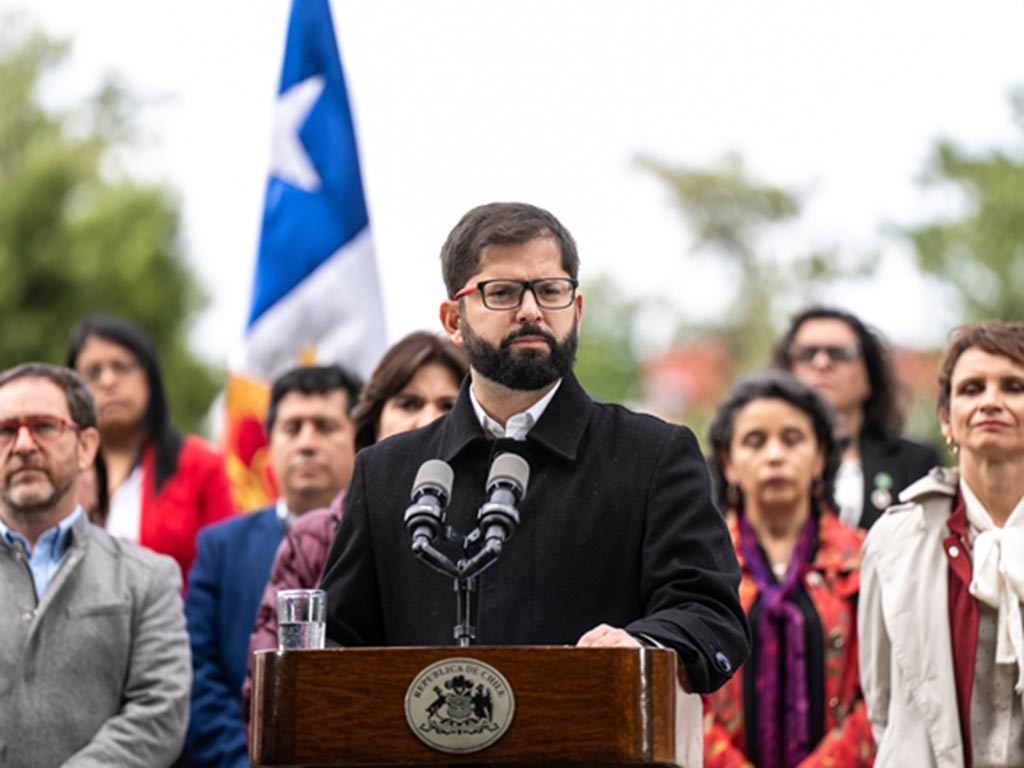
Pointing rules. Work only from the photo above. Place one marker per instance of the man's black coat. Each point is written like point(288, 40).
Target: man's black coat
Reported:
point(617, 527)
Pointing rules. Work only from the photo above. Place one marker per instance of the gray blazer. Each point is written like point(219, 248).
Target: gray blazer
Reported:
point(98, 672)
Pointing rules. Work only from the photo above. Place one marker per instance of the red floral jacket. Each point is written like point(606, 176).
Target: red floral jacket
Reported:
point(832, 581)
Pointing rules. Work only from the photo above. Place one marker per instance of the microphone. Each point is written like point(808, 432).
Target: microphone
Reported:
point(431, 491)
point(506, 485)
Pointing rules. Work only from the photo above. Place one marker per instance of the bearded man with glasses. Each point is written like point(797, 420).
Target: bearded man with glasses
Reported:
point(848, 364)
point(94, 658)
point(619, 544)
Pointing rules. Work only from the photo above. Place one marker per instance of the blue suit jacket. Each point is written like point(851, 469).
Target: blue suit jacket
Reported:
point(230, 572)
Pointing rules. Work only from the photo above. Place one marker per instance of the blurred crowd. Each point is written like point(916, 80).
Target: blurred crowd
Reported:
point(882, 589)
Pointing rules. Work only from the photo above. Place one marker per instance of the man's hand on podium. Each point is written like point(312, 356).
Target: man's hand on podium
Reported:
point(605, 636)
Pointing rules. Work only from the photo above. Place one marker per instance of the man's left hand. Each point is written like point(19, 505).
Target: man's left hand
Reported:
point(605, 636)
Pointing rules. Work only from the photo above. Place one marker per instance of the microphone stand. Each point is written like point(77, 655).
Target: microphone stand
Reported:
point(497, 519)
point(464, 573)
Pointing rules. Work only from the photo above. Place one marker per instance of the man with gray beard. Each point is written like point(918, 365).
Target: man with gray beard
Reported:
point(619, 544)
point(94, 659)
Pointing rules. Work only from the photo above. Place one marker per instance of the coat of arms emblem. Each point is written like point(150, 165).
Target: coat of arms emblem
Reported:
point(459, 705)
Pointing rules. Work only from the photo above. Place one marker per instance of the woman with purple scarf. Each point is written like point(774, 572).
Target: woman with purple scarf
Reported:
point(797, 700)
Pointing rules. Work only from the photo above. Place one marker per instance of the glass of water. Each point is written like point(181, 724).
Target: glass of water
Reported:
point(300, 618)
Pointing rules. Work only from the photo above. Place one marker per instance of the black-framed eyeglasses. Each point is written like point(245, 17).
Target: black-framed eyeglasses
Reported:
point(44, 429)
point(835, 352)
point(549, 292)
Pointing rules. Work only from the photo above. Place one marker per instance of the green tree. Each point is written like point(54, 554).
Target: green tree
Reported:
point(978, 254)
point(607, 361)
point(78, 237)
point(727, 211)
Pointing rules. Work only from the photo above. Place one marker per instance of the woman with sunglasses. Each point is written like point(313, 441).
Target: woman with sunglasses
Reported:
point(162, 486)
point(834, 353)
point(796, 701)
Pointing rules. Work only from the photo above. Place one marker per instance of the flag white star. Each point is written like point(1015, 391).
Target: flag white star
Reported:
point(289, 160)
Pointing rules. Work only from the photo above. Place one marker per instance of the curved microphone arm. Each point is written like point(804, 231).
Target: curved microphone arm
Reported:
point(496, 521)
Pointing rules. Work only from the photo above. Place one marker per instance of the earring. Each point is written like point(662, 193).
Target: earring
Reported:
point(953, 447)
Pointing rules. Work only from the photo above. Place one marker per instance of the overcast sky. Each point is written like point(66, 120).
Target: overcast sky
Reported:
point(459, 103)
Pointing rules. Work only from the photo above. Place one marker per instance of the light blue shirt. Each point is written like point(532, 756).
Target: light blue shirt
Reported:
point(44, 560)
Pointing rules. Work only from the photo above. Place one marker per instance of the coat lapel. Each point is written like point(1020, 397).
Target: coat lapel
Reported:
point(915, 603)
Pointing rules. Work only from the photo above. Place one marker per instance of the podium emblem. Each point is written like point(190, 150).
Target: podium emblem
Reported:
point(459, 705)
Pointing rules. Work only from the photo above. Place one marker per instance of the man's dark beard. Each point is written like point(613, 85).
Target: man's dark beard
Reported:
point(522, 369)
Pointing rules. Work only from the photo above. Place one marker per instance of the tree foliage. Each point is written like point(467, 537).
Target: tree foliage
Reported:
point(77, 237)
point(607, 361)
point(728, 212)
point(979, 254)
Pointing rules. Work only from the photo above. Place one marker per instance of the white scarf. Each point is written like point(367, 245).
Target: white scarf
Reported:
point(998, 579)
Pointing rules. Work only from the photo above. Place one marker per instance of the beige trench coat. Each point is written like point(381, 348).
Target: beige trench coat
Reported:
point(906, 656)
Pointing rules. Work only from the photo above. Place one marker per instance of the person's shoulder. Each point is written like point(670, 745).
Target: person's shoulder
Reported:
point(925, 502)
point(621, 418)
point(841, 543)
point(239, 525)
point(137, 563)
point(315, 522)
point(901, 447)
point(197, 452)
point(405, 444)
point(916, 448)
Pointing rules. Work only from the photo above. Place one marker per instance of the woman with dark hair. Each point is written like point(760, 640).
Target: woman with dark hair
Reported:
point(163, 486)
point(847, 363)
point(411, 386)
point(415, 382)
point(797, 700)
point(942, 654)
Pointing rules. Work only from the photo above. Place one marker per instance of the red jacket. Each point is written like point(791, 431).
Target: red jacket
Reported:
point(198, 494)
point(832, 581)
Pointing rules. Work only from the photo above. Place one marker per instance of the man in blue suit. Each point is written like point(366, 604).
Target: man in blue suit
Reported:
point(312, 450)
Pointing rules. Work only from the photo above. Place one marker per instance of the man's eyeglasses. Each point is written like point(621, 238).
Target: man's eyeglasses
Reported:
point(44, 429)
point(835, 353)
point(549, 292)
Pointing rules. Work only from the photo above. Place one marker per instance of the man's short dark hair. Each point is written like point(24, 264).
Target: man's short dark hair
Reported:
point(79, 398)
point(500, 224)
point(883, 416)
point(312, 380)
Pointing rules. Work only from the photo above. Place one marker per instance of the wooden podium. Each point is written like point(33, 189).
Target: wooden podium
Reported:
point(380, 706)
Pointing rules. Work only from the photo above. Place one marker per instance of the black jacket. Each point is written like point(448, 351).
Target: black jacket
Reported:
point(889, 465)
point(617, 527)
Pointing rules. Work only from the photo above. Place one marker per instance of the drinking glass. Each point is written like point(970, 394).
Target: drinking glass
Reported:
point(300, 619)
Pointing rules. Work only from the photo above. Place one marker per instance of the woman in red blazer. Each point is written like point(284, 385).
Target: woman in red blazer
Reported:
point(163, 486)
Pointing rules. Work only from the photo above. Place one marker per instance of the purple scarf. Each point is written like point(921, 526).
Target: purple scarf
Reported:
point(783, 702)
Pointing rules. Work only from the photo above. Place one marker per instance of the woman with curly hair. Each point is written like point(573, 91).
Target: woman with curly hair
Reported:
point(796, 701)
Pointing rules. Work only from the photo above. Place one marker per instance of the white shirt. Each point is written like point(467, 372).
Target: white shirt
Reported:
point(849, 492)
point(124, 520)
point(519, 424)
point(284, 514)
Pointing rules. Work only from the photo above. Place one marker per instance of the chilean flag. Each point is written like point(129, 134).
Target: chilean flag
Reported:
point(316, 295)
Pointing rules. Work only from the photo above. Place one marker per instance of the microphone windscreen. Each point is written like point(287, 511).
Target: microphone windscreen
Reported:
point(510, 468)
point(433, 473)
